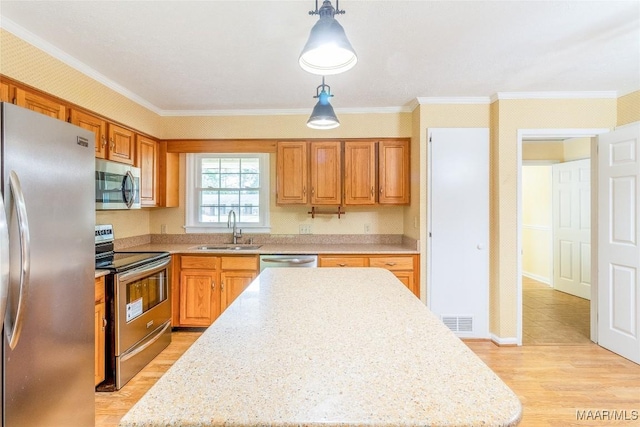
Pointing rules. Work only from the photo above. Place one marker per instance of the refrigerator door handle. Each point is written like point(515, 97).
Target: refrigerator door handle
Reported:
point(4, 261)
point(13, 327)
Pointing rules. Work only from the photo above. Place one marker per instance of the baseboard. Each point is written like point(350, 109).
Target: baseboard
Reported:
point(504, 342)
point(543, 279)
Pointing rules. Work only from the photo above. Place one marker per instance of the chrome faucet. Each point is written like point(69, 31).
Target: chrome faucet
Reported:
point(237, 233)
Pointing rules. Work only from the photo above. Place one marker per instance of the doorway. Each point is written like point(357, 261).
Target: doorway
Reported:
point(554, 305)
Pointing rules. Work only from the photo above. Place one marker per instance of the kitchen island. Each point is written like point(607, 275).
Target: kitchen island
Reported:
point(331, 347)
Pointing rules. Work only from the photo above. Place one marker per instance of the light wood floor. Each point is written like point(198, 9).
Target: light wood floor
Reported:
point(552, 382)
point(553, 317)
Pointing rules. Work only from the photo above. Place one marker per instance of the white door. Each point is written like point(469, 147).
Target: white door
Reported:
point(619, 241)
point(458, 280)
point(572, 227)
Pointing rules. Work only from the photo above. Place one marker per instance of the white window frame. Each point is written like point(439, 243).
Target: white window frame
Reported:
point(192, 201)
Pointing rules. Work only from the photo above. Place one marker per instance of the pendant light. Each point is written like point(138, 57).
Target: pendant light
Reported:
point(328, 50)
point(322, 116)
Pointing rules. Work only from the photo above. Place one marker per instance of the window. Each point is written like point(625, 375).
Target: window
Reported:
point(220, 183)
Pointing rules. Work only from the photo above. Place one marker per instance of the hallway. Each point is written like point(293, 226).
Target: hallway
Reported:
point(553, 317)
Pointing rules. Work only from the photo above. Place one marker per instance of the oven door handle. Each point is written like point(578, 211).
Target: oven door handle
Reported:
point(14, 326)
point(146, 269)
point(137, 350)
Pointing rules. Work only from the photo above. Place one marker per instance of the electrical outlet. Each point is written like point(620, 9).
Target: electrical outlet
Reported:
point(163, 228)
point(305, 229)
point(367, 229)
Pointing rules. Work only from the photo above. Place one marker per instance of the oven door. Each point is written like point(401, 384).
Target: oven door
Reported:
point(143, 303)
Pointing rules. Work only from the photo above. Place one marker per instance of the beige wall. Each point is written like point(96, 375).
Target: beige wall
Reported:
point(629, 108)
point(543, 150)
point(537, 222)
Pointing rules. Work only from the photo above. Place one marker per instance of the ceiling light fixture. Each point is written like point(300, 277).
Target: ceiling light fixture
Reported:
point(322, 116)
point(328, 50)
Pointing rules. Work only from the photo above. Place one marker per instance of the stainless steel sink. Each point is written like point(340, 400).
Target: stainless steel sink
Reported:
point(227, 247)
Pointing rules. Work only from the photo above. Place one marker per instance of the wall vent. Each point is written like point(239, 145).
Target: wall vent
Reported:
point(458, 323)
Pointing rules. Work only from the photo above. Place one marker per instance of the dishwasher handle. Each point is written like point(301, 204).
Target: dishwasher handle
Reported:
point(290, 260)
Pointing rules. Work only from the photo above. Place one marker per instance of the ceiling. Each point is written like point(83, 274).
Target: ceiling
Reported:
point(235, 57)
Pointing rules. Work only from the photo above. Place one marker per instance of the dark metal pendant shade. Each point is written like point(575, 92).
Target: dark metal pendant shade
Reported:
point(328, 50)
point(323, 116)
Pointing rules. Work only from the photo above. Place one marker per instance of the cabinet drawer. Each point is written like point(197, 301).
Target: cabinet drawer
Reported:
point(240, 263)
point(337, 261)
point(99, 290)
point(205, 262)
point(392, 263)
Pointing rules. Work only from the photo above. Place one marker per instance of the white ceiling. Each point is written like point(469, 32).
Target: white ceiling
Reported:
point(198, 57)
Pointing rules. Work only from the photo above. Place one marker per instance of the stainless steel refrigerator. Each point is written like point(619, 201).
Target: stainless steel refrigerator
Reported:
point(46, 270)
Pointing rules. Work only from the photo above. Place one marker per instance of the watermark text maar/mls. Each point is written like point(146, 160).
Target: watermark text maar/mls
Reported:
point(607, 414)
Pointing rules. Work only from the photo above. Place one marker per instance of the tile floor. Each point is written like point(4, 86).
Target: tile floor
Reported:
point(553, 317)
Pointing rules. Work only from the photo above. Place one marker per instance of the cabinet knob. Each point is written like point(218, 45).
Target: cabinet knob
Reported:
point(342, 264)
point(313, 190)
point(104, 323)
point(304, 191)
point(372, 191)
point(112, 144)
point(104, 141)
point(213, 285)
point(380, 190)
point(222, 286)
point(391, 264)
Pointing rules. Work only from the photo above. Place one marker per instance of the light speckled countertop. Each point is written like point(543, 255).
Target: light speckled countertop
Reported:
point(278, 248)
point(311, 347)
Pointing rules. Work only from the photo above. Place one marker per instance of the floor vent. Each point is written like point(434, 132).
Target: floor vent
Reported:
point(459, 323)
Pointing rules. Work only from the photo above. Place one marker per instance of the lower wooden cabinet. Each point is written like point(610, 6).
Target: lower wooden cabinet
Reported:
point(404, 267)
point(208, 284)
point(100, 326)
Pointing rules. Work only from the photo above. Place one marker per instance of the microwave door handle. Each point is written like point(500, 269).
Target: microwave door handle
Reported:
point(128, 201)
point(4, 261)
point(13, 327)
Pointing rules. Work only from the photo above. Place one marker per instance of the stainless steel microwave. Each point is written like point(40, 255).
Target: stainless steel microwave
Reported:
point(117, 186)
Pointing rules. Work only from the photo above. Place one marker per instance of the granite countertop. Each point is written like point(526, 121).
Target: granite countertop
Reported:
point(310, 347)
point(279, 248)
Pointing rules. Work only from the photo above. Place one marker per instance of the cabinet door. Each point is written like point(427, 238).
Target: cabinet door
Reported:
point(232, 283)
point(95, 125)
point(393, 172)
point(99, 335)
point(41, 104)
point(199, 298)
point(326, 170)
point(121, 145)
point(100, 315)
point(291, 173)
point(5, 94)
point(148, 163)
point(342, 261)
point(359, 172)
point(407, 277)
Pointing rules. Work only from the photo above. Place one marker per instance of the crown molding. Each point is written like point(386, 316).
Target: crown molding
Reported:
point(454, 100)
point(610, 94)
point(278, 112)
point(20, 32)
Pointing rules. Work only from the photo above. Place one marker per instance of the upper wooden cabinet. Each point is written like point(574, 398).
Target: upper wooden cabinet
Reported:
point(393, 172)
point(326, 173)
point(96, 125)
point(121, 145)
point(291, 173)
point(359, 172)
point(312, 172)
point(148, 164)
point(41, 104)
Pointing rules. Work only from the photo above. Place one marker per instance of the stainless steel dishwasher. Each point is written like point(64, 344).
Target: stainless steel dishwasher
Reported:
point(279, 261)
